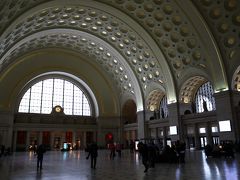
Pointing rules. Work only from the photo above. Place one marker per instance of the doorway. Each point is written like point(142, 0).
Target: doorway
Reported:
point(57, 143)
point(216, 140)
point(191, 142)
point(203, 141)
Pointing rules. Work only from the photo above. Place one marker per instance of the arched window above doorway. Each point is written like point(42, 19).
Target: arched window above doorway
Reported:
point(204, 98)
point(163, 107)
point(157, 103)
point(51, 92)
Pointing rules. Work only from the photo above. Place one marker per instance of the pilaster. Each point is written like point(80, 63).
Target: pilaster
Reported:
point(40, 137)
point(27, 140)
point(6, 127)
point(209, 133)
point(52, 140)
point(196, 136)
point(174, 120)
point(224, 111)
point(141, 125)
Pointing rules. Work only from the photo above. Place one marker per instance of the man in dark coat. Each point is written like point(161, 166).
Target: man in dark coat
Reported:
point(143, 150)
point(40, 151)
point(93, 152)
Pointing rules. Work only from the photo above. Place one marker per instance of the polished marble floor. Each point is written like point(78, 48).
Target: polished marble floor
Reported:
point(74, 166)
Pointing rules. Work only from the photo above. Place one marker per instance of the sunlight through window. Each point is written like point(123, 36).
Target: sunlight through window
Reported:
point(46, 94)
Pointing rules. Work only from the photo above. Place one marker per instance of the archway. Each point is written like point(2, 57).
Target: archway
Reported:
point(129, 112)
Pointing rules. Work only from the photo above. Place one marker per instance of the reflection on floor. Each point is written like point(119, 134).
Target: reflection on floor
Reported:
point(74, 166)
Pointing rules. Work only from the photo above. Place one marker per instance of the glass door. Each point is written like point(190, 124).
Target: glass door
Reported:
point(216, 140)
point(203, 141)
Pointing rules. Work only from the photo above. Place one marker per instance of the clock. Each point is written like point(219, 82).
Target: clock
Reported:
point(152, 108)
point(58, 109)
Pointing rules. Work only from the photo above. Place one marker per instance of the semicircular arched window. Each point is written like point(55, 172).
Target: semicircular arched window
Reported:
point(48, 93)
point(204, 98)
point(163, 108)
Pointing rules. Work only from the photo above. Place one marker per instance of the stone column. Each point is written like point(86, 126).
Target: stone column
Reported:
point(174, 120)
point(27, 139)
point(156, 132)
point(142, 131)
point(6, 122)
point(165, 136)
point(84, 139)
point(9, 137)
point(236, 112)
point(63, 138)
point(52, 140)
point(224, 111)
point(14, 140)
point(73, 138)
point(101, 136)
point(40, 137)
point(209, 134)
point(196, 137)
point(94, 136)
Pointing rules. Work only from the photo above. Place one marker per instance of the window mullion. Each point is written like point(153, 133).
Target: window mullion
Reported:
point(82, 102)
point(63, 93)
point(53, 91)
point(41, 99)
point(73, 101)
point(29, 104)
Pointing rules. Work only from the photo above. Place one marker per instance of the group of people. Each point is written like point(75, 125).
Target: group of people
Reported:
point(4, 151)
point(225, 149)
point(92, 150)
point(150, 153)
point(38, 150)
point(115, 147)
point(173, 154)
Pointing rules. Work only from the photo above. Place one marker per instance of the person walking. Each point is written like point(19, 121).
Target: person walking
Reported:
point(112, 150)
point(93, 153)
point(40, 151)
point(119, 149)
point(143, 150)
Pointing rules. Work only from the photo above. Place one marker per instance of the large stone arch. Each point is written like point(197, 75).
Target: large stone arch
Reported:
point(139, 50)
point(39, 62)
point(189, 88)
point(153, 96)
point(213, 61)
point(185, 37)
point(191, 80)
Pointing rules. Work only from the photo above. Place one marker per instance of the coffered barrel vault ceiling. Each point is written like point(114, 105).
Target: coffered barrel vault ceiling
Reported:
point(137, 42)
